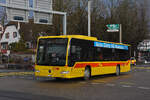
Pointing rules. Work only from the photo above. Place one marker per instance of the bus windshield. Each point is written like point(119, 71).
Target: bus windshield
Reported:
point(52, 52)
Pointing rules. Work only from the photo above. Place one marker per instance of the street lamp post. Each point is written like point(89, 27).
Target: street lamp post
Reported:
point(89, 18)
point(120, 33)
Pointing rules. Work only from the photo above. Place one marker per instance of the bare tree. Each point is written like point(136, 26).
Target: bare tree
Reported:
point(130, 13)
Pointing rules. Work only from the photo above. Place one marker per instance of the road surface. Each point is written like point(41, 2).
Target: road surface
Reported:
point(134, 85)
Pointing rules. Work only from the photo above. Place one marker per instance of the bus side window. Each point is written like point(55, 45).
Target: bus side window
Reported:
point(99, 54)
point(73, 49)
point(75, 54)
point(78, 53)
point(107, 54)
point(72, 55)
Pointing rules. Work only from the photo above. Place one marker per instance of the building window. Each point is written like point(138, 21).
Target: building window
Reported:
point(4, 46)
point(14, 34)
point(28, 45)
point(7, 36)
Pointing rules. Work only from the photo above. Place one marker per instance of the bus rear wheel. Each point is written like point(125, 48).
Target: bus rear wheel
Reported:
point(117, 70)
point(87, 73)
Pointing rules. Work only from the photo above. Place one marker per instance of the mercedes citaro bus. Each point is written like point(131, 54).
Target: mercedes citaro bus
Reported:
point(74, 56)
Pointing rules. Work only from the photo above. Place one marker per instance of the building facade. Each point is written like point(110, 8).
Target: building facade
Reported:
point(10, 35)
point(144, 51)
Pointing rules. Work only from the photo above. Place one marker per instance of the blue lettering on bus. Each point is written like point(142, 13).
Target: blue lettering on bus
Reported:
point(110, 45)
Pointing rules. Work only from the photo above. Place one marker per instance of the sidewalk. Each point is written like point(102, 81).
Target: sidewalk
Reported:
point(16, 66)
point(5, 71)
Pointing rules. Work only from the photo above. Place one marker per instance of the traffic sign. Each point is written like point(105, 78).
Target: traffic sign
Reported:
point(17, 14)
point(18, 10)
point(113, 28)
point(40, 17)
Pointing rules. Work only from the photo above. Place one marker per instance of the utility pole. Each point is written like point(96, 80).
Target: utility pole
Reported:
point(89, 18)
point(120, 33)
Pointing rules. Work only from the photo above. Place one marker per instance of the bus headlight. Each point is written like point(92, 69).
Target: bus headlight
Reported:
point(65, 72)
point(37, 71)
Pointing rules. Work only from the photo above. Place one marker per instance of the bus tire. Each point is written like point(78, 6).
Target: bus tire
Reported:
point(87, 73)
point(117, 70)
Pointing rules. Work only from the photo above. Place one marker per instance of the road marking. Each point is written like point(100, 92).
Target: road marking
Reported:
point(95, 83)
point(145, 88)
point(110, 84)
point(21, 77)
point(127, 83)
point(99, 81)
point(83, 82)
point(126, 86)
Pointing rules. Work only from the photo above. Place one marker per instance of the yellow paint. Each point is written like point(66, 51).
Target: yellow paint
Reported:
point(148, 68)
point(43, 71)
point(127, 83)
point(68, 46)
point(1, 75)
point(71, 36)
point(141, 67)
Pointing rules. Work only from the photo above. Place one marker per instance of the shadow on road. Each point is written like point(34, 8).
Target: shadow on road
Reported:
point(109, 77)
point(8, 95)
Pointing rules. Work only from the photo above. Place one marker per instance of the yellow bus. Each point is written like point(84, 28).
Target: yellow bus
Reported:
point(74, 56)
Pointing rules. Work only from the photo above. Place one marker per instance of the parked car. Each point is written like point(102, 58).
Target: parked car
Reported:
point(147, 60)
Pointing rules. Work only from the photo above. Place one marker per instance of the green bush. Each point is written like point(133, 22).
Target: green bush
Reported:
point(18, 47)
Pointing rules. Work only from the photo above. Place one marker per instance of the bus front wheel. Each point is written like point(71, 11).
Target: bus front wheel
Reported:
point(87, 73)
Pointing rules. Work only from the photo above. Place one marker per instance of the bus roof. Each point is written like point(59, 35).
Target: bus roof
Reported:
point(81, 37)
point(71, 36)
